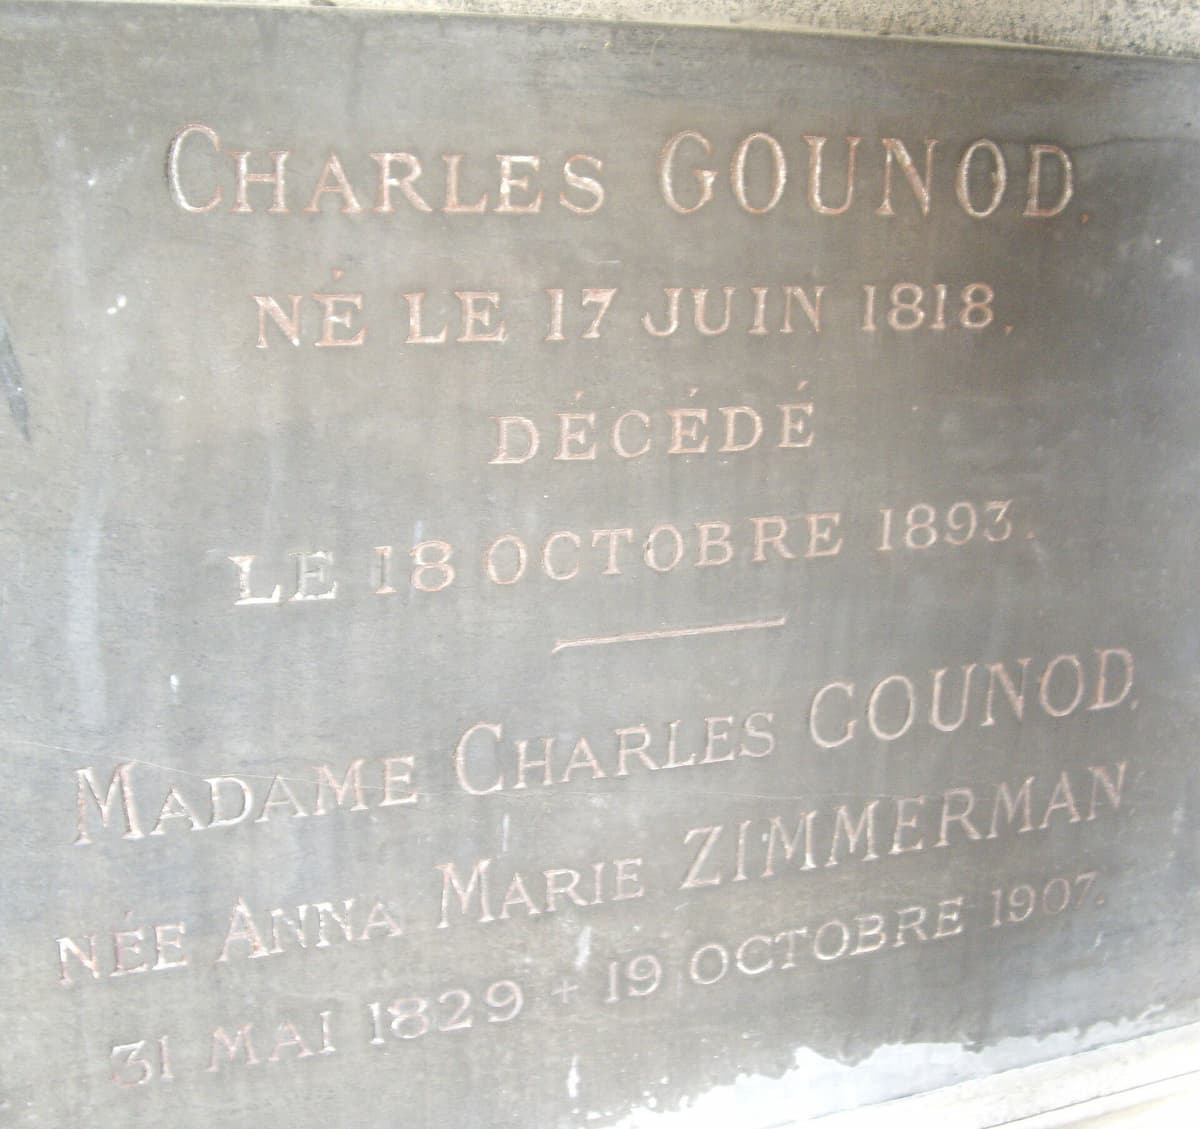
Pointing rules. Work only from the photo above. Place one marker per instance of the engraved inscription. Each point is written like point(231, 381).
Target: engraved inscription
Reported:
point(574, 571)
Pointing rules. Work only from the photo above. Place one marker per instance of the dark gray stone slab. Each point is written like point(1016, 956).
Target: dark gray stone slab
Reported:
point(528, 700)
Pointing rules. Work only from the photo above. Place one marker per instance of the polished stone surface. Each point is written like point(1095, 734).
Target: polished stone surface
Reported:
point(672, 640)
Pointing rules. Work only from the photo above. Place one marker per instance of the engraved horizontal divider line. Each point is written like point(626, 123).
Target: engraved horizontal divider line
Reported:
point(667, 633)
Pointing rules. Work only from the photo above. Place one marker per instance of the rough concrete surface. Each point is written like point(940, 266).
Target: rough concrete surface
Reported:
point(1141, 27)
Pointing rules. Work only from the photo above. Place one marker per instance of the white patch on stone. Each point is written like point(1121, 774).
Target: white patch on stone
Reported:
point(573, 1078)
point(583, 948)
point(819, 1087)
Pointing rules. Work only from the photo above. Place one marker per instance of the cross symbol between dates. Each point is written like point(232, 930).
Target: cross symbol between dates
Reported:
point(565, 990)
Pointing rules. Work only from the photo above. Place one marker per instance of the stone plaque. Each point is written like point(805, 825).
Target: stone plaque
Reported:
point(561, 575)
